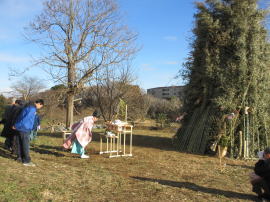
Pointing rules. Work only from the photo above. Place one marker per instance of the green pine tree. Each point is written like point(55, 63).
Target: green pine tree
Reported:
point(3, 103)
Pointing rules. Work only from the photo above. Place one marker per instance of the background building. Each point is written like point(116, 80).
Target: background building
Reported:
point(166, 92)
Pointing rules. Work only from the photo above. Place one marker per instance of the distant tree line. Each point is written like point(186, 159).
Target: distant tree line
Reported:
point(104, 92)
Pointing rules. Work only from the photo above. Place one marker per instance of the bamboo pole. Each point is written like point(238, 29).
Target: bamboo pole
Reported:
point(240, 144)
point(244, 136)
point(232, 141)
point(126, 114)
point(253, 136)
point(186, 132)
point(194, 135)
point(206, 131)
point(266, 134)
point(247, 125)
point(202, 129)
point(258, 140)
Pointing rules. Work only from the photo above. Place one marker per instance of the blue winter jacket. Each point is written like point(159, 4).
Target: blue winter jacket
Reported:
point(36, 122)
point(25, 120)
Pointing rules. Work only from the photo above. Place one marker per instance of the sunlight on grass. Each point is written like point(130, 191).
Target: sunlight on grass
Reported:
point(157, 172)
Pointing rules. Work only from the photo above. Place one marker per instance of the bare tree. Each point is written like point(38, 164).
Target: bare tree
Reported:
point(138, 103)
point(169, 107)
point(108, 86)
point(54, 98)
point(78, 38)
point(27, 87)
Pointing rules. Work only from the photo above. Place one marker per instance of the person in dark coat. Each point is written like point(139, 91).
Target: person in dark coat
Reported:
point(10, 114)
point(5, 117)
point(19, 104)
point(261, 184)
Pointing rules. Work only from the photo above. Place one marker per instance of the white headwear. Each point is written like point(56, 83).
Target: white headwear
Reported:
point(13, 100)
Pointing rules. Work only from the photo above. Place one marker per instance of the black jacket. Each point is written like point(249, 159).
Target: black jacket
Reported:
point(12, 112)
point(262, 168)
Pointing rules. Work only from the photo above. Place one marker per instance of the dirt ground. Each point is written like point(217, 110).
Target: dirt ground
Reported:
point(156, 172)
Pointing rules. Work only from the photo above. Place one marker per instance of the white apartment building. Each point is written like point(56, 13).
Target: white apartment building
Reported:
point(166, 92)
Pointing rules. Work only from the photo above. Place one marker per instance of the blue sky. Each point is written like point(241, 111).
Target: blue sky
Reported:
point(164, 28)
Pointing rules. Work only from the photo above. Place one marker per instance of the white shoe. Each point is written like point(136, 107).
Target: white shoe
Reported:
point(29, 164)
point(84, 156)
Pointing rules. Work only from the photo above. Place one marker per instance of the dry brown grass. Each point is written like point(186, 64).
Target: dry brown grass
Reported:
point(156, 172)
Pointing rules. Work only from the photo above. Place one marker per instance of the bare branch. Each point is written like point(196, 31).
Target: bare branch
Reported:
point(80, 37)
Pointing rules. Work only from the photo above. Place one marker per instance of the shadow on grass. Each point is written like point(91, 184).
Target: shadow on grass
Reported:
point(5, 153)
point(52, 135)
point(242, 166)
point(43, 149)
point(194, 187)
point(58, 148)
point(162, 143)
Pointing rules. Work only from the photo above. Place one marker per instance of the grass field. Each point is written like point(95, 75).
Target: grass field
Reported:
point(156, 172)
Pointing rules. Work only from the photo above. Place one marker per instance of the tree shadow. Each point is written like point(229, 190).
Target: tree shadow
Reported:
point(5, 153)
point(194, 187)
point(41, 150)
point(162, 143)
point(241, 166)
point(58, 148)
point(51, 135)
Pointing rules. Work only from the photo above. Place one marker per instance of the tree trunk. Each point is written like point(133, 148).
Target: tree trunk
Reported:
point(70, 94)
point(69, 115)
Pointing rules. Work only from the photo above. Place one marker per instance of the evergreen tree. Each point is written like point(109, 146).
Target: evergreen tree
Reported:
point(227, 70)
point(3, 103)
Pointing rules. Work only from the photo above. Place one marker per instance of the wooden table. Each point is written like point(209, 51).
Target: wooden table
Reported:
point(65, 134)
point(114, 142)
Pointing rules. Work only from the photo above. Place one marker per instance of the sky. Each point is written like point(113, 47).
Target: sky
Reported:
point(163, 27)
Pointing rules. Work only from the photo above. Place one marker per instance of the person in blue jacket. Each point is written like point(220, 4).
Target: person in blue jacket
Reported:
point(24, 124)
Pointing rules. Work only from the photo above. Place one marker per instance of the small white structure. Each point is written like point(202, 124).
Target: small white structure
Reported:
point(113, 136)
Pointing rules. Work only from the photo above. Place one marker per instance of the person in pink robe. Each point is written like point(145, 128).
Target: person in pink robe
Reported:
point(81, 135)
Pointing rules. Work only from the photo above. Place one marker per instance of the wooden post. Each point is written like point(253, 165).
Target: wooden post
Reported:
point(130, 149)
point(124, 142)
